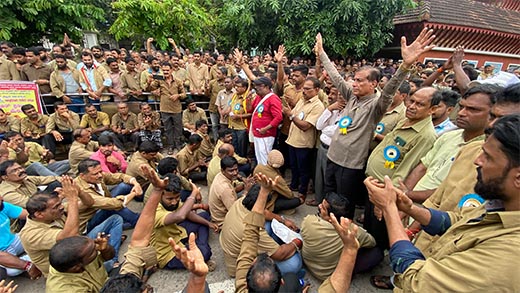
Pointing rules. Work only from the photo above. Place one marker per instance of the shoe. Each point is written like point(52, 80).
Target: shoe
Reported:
point(381, 282)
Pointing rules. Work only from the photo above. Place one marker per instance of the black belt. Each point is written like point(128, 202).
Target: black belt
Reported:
point(324, 145)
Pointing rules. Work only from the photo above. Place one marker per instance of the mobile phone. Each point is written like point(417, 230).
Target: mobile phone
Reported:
point(158, 77)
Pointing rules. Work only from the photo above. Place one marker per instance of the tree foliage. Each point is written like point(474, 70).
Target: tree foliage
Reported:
point(184, 20)
point(349, 27)
point(26, 21)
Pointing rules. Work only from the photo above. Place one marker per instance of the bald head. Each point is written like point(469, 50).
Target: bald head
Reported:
point(225, 150)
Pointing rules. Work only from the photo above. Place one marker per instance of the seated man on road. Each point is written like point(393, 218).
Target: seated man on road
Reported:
point(37, 160)
point(99, 123)
point(226, 136)
point(111, 161)
point(124, 125)
point(191, 115)
point(148, 155)
point(169, 165)
point(282, 198)
point(175, 220)
point(322, 246)
point(206, 147)
point(82, 147)
point(149, 124)
point(191, 162)
point(16, 187)
point(286, 256)
point(60, 125)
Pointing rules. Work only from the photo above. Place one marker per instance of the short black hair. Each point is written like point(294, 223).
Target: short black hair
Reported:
point(471, 72)
point(223, 70)
point(174, 183)
point(58, 103)
point(60, 56)
point(373, 73)
point(105, 140)
point(404, 88)
point(149, 147)
point(85, 164)
point(200, 122)
point(448, 97)
point(509, 95)
point(507, 131)
point(38, 202)
point(301, 68)
point(224, 132)
point(194, 139)
point(228, 162)
point(338, 205)
point(27, 107)
point(18, 51)
point(10, 134)
point(189, 101)
point(128, 283)
point(167, 165)
point(4, 165)
point(111, 60)
point(129, 59)
point(249, 200)
point(491, 90)
point(315, 82)
point(66, 253)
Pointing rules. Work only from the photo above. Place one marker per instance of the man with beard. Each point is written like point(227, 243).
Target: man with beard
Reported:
point(174, 221)
point(130, 80)
point(8, 70)
point(178, 71)
point(65, 81)
point(215, 86)
point(97, 52)
point(8, 122)
point(18, 57)
point(198, 75)
point(99, 124)
point(191, 115)
point(111, 161)
point(124, 125)
point(441, 115)
point(94, 79)
point(154, 72)
point(149, 124)
point(37, 71)
point(477, 246)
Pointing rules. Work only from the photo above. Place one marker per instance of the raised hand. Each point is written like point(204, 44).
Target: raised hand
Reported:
point(458, 55)
point(239, 57)
point(319, 44)
point(68, 189)
point(153, 177)
point(278, 57)
point(347, 231)
point(266, 182)
point(9, 288)
point(149, 40)
point(420, 45)
point(192, 259)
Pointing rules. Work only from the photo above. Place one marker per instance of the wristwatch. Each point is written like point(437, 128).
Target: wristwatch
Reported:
point(291, 117)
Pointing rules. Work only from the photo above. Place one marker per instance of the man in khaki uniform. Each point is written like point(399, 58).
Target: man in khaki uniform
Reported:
point(198, 76)
point(215, 86)
point(191, 115)
point(222, 194)
point(206, 147)
point(147, 155)
point(479, 241)
point(8, 70)
point(322, 245)
point(60, 125)
point(65, 81)
point(171, 94)
point(225, 150)
point(99, 124)
point(16, 187)
point(82, 148)
point(302, 134)
point(32, 126)
point(8, 123)
point(191, 163)
point(124, 125)
point(130, 81)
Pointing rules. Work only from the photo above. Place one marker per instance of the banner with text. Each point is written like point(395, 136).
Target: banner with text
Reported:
point(15, 94)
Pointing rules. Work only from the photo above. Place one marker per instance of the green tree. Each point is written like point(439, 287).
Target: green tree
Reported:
point(25, 22)
point(349, 27)
point(186, 21)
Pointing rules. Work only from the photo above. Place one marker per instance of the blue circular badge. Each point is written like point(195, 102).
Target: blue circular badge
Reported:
point(260, 109)
point(345, 122)
point(470, 200)
point(380, 127)
point(391, 153)
point(237, 107)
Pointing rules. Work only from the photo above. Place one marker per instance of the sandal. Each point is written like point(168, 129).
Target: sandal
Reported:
point(312, 202)
point(123, 238)
point(381, 282)
point(148, 272)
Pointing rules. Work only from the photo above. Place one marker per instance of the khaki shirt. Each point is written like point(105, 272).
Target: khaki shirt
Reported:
point(101, 120)
point(198, 76)
point(206, 147)
point(222, 195)
point(130, 123)
point(37, 239)
point(239, 105)
point(389, 121)
point(281, 188)
point(213, 170)
point(322, 245)
point(213, 71)
point(232, 234)
point(102, 199)
point(161, 233)
point(309, 111)
point(130, 82)
point(144, 78)
point(56, 122)
point(37, 128)
point(418, 139)
point(92, 279)
point(240, 160)
point(478, 253)
point(215, 87)
point(34, 155)
point(58, 85)
point(189, 117)
point(439, 159)
point(254, 224)
point(19, 193)
point(79, 152)
point(351, 150)
point(11, 124)
point(30, 73)
point(180, 74)
point(459, 181)
point(136, 162)
point(187, 159)
point(154, 125)
point(137, 259)
point(8, 70)
point(185, 185)
point(167, 90)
